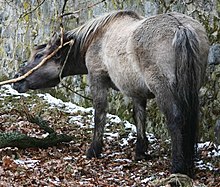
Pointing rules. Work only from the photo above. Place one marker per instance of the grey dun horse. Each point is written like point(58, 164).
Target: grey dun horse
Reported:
point(163, 56)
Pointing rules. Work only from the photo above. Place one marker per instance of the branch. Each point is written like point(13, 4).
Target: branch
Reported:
point(36, 67)
point(40, 122)
point(33, 119)
point(79, 10)
point(64, 5)
point(16, 139)
point(67, 56)
point(20, 140)
point(68, 88)
point(35, 8)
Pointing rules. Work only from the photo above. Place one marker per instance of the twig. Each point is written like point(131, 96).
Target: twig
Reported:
point(64, 5)
point(35, 8)
point(61, 71)
point(61, 34)
point(68, 88)
point(79, 10)
point(36, 67)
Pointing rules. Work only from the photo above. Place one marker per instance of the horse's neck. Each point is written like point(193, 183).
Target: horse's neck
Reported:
point(75, 67)
point(80, 67)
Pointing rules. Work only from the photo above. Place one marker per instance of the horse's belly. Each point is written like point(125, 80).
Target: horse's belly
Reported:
point(126, 75)
point(130, 84)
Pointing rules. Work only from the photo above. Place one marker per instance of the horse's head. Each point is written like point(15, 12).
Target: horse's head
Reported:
point(48, 75)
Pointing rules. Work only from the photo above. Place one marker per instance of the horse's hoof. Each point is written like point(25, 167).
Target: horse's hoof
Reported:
point(139, 157)
point(94, 151)
point(188, 172)
point(91, 153)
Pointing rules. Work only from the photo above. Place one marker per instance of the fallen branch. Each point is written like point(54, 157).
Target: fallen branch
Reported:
point(19, 140)
point(36, 67)
point(41, 123)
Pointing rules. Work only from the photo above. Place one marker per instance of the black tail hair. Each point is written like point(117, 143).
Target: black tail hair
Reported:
point(186, 45)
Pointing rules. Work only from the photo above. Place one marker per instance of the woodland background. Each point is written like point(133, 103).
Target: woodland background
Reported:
point(25, 23)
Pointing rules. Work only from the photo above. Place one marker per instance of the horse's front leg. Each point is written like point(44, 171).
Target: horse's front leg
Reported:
point(99, 93)
point(139, 115)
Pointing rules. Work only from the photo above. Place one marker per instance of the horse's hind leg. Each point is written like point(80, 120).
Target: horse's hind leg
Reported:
point(139, 115)
point(98, 88)
point(181, 140)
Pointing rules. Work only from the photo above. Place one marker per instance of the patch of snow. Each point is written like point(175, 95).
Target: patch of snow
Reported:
point(8, 90)
point(151, 138)
point(111, 134)
point(114, 154)
point(44, 135)
point(215, 152)
point(124, 142)
point(68, 158)
point(29, 163)
point(51, 100)
point(203, 166)
point(80, 121)
point(203, 145)
point(65, 106)
point(130, 126)
point(114, 119)
point(122, 160)
point(146, 180)
point(162, 173)
point(55, 181)
point(85, 181)
point(84, 156)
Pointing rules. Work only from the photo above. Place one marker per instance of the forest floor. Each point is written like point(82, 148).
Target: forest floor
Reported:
point(66, 164)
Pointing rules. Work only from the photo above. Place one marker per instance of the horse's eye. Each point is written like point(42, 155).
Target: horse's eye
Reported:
point(38, 55)
point(24, 63)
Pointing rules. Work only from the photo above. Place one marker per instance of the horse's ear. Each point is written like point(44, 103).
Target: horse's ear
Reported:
point(53, 40)
point(38, 47)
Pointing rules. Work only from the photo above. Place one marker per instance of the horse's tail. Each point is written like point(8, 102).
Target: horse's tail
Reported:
point(187, 72)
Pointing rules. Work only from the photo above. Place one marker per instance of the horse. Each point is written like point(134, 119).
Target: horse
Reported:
point(162, 57)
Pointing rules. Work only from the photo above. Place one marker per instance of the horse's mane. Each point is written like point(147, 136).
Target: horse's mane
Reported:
point(87, 32)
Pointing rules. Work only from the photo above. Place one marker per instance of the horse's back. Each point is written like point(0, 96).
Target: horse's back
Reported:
point(137, 53)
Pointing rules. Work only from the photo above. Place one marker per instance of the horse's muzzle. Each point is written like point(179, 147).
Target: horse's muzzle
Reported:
point(21, 86)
